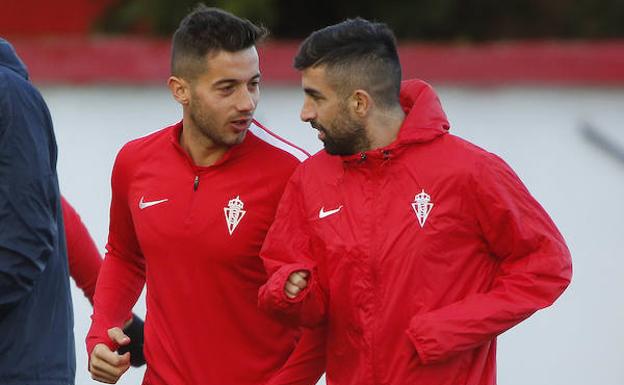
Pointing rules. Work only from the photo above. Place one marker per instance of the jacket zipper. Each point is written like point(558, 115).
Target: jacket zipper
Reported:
point(191, 207)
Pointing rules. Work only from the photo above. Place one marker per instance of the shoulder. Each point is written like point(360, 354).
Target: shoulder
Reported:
point(156, 138)
point(136, 151)
point(455, 154)
point(18, 95)
point(473, 164)
point(145, 144)
point(10, 83)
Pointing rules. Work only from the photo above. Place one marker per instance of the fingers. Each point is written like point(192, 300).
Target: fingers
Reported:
point(296, 283)
point(107, 366)
point(117, 336)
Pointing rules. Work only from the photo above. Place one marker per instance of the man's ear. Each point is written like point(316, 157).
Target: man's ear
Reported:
point(361, 103)
point(180, 89)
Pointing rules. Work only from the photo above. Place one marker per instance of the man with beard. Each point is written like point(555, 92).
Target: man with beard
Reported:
point(190, 207)
point(416, 247)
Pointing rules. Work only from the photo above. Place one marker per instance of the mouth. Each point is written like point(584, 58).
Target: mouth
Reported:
point(241, 124)
point(321, 131)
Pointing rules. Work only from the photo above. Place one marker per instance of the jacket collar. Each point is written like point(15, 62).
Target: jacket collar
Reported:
point(425, 120)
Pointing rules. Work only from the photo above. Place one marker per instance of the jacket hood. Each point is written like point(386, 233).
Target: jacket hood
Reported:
point(9, 59)
point(425, 120)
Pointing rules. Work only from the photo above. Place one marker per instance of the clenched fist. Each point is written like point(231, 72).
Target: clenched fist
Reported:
point(296, 283)
point(107, 366)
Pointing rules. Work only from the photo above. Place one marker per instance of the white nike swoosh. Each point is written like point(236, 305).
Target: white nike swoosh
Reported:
point(144, 205)
point(323, 213)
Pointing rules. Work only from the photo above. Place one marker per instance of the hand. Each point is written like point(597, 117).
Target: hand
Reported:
point(107, 366)
point(296, 283)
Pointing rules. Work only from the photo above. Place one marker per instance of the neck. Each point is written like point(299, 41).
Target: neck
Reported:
point(384, 127)
point(202, 150)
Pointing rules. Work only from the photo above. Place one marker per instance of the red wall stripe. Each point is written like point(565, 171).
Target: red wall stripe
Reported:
point(81, 60)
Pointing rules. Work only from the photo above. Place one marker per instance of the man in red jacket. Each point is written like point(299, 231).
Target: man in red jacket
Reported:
point(416, 247)
point(190, 207)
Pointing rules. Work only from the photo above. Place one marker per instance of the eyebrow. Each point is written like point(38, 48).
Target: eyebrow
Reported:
point(223, 82)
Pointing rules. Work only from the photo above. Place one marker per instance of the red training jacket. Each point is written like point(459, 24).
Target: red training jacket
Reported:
point(420, 254)
point(193, 235)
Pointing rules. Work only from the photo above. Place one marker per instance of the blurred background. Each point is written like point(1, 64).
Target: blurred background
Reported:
point(539, 82)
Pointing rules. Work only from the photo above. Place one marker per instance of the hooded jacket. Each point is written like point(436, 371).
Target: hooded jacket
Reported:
point(420, 254)
point(36, 319)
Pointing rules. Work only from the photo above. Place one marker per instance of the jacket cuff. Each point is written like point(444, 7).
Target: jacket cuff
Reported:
point(419, 344)
point(99, 336)
point(272, 296)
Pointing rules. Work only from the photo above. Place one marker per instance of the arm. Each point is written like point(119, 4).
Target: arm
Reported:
point(287, 250)
point(121, 278)
point(82, 254)
point(306, 364)
point(535, 268)
point(84, 267)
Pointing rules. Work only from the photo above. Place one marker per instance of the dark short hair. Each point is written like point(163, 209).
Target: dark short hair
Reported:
point(209, 30)
point(356, 53)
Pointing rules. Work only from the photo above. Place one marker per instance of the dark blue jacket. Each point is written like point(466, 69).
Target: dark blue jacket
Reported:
point(36, 319)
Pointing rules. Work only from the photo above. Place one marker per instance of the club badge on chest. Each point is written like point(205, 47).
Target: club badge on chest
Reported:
point(422, 206)
point(234, 213)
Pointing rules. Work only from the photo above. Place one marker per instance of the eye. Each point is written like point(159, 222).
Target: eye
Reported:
point(227, 90)
point(316, 98)
point(254, 84)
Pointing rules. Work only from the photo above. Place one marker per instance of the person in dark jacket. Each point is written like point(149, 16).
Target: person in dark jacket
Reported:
point(36, 319)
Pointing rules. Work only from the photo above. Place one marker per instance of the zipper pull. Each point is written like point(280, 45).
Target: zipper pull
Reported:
point(196, 183)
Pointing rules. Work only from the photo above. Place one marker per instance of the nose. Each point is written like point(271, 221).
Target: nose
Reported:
point(246, 101)
point(307, 112)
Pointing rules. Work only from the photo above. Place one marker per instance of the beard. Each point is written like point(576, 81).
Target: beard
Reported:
point(210, 128)
point(343, 136)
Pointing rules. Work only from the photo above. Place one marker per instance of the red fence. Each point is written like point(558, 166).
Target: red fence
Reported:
point(143, 61)
point(45, 17)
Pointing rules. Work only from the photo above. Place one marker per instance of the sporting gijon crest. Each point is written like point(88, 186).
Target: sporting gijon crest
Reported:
point(422, 206)
point(234, 213)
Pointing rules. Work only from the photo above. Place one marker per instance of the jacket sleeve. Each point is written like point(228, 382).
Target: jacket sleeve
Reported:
point(82, 253)
point(534, 268)
point(306, 364)
point(122, 275)
point(28, 209)
point(287, 249)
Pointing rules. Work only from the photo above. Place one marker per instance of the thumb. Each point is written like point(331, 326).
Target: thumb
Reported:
point(303, 273)
point(124, 358)
point(118, 336)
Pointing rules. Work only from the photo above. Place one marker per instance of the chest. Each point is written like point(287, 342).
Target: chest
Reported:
point(218, 214)
point(390, 212)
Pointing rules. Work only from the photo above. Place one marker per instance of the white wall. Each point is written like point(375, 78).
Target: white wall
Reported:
point(579, 341)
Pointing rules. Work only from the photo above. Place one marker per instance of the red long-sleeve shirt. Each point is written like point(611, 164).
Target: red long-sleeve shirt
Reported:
point(83, 256)
point(193, 235)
